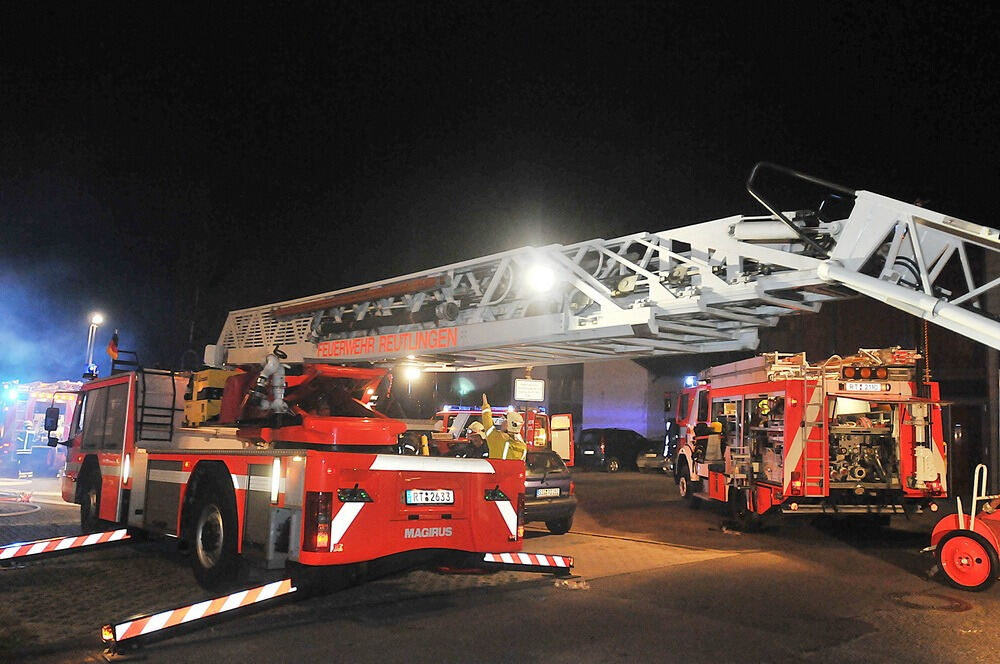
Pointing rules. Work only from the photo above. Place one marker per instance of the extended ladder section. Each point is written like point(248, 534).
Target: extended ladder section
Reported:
point(701, 288)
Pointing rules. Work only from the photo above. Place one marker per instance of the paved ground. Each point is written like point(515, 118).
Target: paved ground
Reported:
point(656, 580)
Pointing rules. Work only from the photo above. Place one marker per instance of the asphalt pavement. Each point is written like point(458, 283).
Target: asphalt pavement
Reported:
point(655, 581)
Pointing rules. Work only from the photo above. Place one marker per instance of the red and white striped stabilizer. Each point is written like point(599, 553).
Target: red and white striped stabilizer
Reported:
point(59, 544)
point(530, 561)
point(157, 622)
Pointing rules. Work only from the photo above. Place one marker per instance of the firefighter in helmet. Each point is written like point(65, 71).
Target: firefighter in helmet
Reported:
point(476, 447)
point(507, 443)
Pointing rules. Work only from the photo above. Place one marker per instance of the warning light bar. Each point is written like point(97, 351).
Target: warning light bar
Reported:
point(864, 373)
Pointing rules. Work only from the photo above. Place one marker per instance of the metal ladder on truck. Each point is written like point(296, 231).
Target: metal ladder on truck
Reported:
point(700, 288)
point(153, 421)
point(815, 443)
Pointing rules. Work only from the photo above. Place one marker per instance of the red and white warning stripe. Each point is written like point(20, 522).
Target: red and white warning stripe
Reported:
point(186, 614)
point(25, 549)
point(529, 559)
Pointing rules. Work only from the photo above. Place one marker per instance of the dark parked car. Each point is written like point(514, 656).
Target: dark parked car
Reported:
point(610, 449)
point(660, 456)
point(548, 492)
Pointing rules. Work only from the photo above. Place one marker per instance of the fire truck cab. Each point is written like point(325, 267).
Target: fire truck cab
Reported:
point(854, 435)
point(318, 484)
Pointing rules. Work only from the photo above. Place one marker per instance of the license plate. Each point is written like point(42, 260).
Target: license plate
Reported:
point(547, 493)
point(430, 496)
point(588, 451)
point(864, 387)
point(651, 456)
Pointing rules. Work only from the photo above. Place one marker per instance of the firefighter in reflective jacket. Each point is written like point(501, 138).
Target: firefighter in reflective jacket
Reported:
point(508, 443)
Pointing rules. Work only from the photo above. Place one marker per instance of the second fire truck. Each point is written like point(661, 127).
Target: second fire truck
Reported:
point(849, 435)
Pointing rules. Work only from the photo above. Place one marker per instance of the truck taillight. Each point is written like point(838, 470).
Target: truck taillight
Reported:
point(572, 487)
point(316, 535)
point(602, 447)
point(520, 516)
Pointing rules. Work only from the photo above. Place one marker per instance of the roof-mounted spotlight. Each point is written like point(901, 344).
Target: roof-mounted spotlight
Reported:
point(540, 278)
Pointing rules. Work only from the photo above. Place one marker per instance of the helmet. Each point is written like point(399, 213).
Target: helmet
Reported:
point(476, 427)
point(515, 421)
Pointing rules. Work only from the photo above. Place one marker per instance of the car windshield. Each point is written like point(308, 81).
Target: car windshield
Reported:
point(544, 462)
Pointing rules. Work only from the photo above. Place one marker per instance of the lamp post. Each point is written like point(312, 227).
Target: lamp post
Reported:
point(95, 321)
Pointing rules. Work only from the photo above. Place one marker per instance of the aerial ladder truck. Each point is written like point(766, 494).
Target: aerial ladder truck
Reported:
point(267, 476)
point(706, 287)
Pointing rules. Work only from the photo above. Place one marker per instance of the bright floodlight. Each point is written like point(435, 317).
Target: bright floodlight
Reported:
point(541, 278)
point(96, 319)
point(411, 373)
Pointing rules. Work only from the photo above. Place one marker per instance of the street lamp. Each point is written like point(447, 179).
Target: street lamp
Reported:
point(95, 321)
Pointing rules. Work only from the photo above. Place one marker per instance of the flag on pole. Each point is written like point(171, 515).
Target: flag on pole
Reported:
point(113, 346)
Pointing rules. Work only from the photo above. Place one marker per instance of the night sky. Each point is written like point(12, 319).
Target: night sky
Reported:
point(166, 163)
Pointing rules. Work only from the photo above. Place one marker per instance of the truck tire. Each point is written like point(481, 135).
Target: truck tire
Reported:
point(744, 518)
point(685, 486)
point(213, 533)
point(612, 464)
point(967, 560)
point(90, 502)
point(559, 526)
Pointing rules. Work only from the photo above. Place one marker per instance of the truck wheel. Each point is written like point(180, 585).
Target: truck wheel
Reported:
point(213, 534)
point(612, 464)
point(686, 487)
point(967, 560)
point(745, 518)
point(560, 526)
point(90, 502)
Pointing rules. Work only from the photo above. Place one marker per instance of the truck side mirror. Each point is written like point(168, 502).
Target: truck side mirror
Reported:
point(51, 418)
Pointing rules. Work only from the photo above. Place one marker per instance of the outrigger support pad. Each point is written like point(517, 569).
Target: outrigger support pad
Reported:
point(529, 562)
point(142, 629)
point(55, 545)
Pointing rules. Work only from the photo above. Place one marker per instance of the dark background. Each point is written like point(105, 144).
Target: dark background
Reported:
point(166, 163)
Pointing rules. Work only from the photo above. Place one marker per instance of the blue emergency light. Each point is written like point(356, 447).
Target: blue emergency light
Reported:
point(690, 381)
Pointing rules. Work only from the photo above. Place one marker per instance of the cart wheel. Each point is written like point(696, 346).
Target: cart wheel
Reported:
point(967, 560)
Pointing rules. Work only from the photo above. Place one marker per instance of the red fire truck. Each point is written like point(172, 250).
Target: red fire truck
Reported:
point(849, 435)
point(541, 430)
point(295, 470)
point(23, 439)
